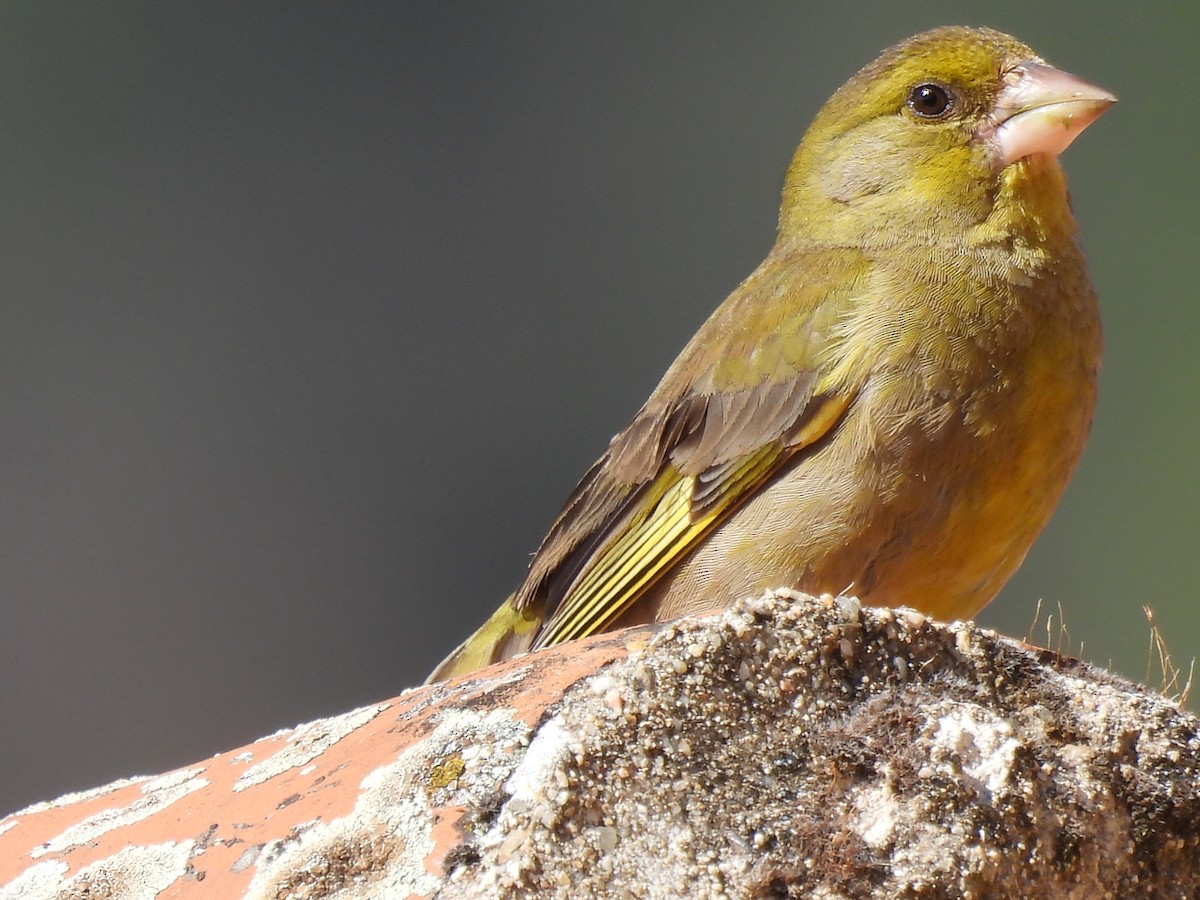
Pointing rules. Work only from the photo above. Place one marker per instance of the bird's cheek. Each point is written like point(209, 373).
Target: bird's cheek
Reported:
point(851, 179)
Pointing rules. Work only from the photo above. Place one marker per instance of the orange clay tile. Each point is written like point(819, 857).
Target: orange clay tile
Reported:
point(228, 826)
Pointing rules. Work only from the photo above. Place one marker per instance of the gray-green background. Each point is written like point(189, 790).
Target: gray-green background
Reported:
point(312, 314)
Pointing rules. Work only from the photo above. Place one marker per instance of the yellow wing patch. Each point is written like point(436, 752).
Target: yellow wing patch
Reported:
point(631, 562)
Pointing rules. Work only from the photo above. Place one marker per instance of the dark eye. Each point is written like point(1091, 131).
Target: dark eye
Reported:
point(931, 101)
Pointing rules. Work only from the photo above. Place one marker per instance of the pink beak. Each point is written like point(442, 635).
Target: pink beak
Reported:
point(1041, 110)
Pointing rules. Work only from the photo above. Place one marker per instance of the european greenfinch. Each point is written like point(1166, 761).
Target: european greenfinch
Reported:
point(890, 405)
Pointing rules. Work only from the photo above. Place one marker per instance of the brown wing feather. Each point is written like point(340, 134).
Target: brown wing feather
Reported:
point(745, 382)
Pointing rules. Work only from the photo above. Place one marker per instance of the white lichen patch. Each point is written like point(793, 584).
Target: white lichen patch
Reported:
point(879, 814)
point(982, 746)
point(78, 796)
point(381, 848)
point(133, 873)
point(41, 881)
point(541, 776)
point(157, 795)
point(306, 743)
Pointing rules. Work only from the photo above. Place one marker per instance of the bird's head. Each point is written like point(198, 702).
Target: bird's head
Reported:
point(928, 138)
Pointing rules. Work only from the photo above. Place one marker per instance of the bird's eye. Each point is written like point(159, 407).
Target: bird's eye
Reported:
point(931, 101)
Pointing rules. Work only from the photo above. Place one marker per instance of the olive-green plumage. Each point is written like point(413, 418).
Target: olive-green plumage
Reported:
point(890, 405)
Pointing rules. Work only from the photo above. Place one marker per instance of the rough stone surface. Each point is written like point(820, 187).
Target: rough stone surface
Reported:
point(789, 747)
point(815, 749)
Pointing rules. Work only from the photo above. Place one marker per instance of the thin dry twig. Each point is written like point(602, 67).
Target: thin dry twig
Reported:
point(1171, 681)
point(1058, 638)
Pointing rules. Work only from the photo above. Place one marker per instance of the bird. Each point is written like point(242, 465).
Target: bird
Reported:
point(890, 405)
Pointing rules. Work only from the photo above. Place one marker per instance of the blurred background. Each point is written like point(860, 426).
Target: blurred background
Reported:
point(313, 314)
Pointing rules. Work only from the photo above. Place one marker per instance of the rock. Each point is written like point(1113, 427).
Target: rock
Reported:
point(788, 747)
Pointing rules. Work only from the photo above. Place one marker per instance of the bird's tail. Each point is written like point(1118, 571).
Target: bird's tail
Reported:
point(508, 632)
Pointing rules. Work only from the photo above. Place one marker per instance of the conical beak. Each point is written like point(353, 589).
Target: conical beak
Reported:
point(1041, 110)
